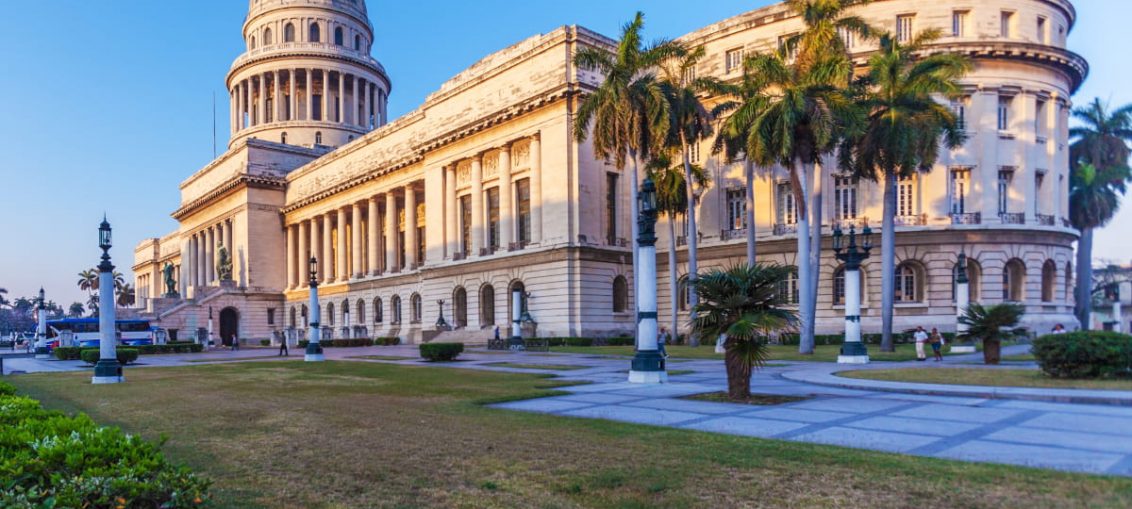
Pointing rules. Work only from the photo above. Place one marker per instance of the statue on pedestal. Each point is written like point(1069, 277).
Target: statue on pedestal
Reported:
point(170, 282)
point(223, 264)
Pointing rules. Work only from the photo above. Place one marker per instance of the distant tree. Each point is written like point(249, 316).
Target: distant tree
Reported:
point(3, 299)
point(92, 305)
point(76, 310)
point(88, 280)
point(23, 306)
point(126, 296)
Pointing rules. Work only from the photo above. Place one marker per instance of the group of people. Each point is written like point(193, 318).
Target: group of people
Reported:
point(935, 339)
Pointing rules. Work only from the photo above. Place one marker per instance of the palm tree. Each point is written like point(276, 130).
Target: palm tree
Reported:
point(75, 310)
point(1094, 198)
point(88, 280)
point(904, 127)
point(691, 123)
point(92, 304)
point(627, 113)
point(119, 281)
point(991, 324)
point(672, 200)
point(3, 299)
point(126, 295)
point(742, 305)
point(1101, 142)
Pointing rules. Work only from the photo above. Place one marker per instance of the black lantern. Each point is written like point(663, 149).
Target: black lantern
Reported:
point(313, 270)
point(647, 196)
point(104, 235)
point(42, 299)
point(838, 235)
point(961, 269)
point(867, 239)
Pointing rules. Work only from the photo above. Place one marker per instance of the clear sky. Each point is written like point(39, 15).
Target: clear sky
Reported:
point(108, 104)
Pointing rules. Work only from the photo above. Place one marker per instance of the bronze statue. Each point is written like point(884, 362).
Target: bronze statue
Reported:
point(170, 282)
point(223, 264)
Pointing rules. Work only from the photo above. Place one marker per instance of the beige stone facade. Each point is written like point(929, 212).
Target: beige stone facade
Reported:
point(482, 188)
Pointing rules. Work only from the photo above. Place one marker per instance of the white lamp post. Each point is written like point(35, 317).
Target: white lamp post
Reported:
point(108, 370)
point(853, 351)
point(314, 348)
point(962, 300)
point(516, 341)
point(41, 351)
point(1116, 310)
point(648, 365)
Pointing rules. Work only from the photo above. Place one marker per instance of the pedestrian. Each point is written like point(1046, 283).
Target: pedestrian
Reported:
point(921, 336)
point(661, 340)
point(283, 350)
point(936, 340)
point(497, 333)
point(1058, 329)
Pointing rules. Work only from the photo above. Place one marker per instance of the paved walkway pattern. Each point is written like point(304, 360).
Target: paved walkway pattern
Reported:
point(977, 424)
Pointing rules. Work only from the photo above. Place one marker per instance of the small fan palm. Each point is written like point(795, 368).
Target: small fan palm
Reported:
point(742, 304)
point(990, 325)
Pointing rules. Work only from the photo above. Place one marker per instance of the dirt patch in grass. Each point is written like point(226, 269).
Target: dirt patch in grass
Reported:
point(550, 367)
point(988, 377)
point(388, 435)
point(756, 399)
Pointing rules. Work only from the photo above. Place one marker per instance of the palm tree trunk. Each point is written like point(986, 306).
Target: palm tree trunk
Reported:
point(693, 237)
point(1084, 291)
point(811, 291)
point(673, 291)
point(749, 170)
point(802, 189)
point(633, 228)
point(738, 376)
point(888, 262)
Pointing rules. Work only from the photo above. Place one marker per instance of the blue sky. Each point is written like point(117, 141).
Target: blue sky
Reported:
point(108, 103)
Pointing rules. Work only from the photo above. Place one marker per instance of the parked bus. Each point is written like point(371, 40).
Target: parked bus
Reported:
point(84, 332)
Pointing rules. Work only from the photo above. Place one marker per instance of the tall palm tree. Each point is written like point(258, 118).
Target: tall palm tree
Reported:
point(627, 113)
point(75, 310)
point(903, 133)
point(672, 201)
point(92, 304)
point(691, 123)
point(1094, 198)
point(742, 305)
point(126, 296)
point(119, 281)
point(88, 280)
point(1101, 143)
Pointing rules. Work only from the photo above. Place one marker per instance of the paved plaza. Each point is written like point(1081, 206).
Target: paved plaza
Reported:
point(1072, 430)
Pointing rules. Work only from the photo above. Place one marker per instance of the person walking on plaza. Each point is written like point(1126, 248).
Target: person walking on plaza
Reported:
point(662, 338)
point(921, 336)
point(283, 350)
point(936, 340)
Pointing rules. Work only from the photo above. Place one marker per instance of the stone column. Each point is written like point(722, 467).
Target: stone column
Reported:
point(210, 256)
point(292, 99)
point(261, 104)
point(316, 245)
point(355, 102)
point(371, 238)
point(303, 255)
point(411, 226)
point(198, 259)
point(232, 110)
point(341, 101)
point(310, 99)
point(505, 218)
point(536, 189)
point(248, 106)
point(364, 91)
point(276, 104)
point(325, 96)
point(356, 240)
point(477, 204)
point(326, 268)
point(291, 257)
point(228, 227)
point(340, 269)
point(451, 232)
point(391, 232)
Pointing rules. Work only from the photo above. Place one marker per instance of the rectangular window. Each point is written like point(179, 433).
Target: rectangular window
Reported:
point(734, 60)
point(845, 198)
point(1039, 179)
point(523, 210)
point(787, 209)
point(906, 197)
point(271, 316)
point(1004, 105)
point(960, 107)
point(959, 23)
point(317, 106)
point(611, 209)
point(789, 53)
point(848, 38)
point(1043, 35)
point(904, 27)
point(420, 245)
point(960, 185)
point(1006, 24)
point(736, 209)
point(690, 74)
point(694, 153)
point(465, 224)
point(1004, 179)
point(1040, 119)
point(493, 219)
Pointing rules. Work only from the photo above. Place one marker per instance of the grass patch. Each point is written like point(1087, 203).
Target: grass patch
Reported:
point(383, 358)
point(241, 359)
point(822, 353)
point(412, 436)
point(992, 377)
point(756, 399)
point(551, 367)
point(1019, 358)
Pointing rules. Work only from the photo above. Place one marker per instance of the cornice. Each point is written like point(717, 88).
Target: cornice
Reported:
point(293, 50)
point(238, 182)
point(1073, 65)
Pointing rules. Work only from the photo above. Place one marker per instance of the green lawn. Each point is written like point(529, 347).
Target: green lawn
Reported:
point(822, 353)
point(358, 434)
point(974, 376)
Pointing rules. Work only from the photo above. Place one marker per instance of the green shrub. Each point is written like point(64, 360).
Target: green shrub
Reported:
point(387, 341)
point(125, 355)
point(7, 389)
point(48, 459)
point(441, 352)
point(346, 343)
point(68, 353)
point(621, 341)
point(303, 343)
point(1085, 354)
point(265, 342)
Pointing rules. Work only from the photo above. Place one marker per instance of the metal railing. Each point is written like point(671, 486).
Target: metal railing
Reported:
point(785, 229)
point(916, 220)
point(1012, 218)
point(1046, 219)
point(967, 218)
point(739, 233)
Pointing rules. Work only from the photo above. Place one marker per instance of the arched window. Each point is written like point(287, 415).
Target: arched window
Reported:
point(283, 138)
point(487, 306)
point(377, 311)
point(330, 313)
point(251, 43)
point(620, 294)
point(338, 35)
point(267, 40)
point(1049, 280)
point(303, 313)
point(683, 295)
point(522, 289)
point(346, 313)
point(289, 33)
point(360, 309)
point(788, 288)
point(416, 308)
point(1014, 281)
point(318, 138)
point(315, 33)
point(1069, 282)
point(395, 309)
point(839, 286)
point(909, 283)
point(357, 43)
point(460, 307)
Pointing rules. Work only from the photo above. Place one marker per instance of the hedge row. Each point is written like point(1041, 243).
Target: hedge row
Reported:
point(125, 355)
point(574, 341)
point(1085, 354)
point(441, 352)
point(74, 353)
point(871, 339)
point(353, 343)
point(49, 459)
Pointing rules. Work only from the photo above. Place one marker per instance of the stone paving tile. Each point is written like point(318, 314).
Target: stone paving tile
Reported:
point(1068, 408)
point(544, 405)
point(634, 414)
point(1079, 423)
point(1032, 456)
point(599, 387)
point(958, 413)
point(683, 405)
point(1073, 440)
point(597, 399)
point(666, 390)
point(747, 427)
point(913, 426)
point(853, 405)
point(927, 398)
point(866, 439)
point(796, 414)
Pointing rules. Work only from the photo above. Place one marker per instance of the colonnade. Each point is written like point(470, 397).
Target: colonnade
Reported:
point(201, 254)
point(355, 100)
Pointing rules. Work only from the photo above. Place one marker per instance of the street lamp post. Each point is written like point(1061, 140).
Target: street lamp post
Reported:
point(41, 351)
point(1116, 311)
point(962, 300)
point(440, 323)
point(208, 338)
point(516, 341)
point(648, 364)
point(314, 347)
point(107, 370)
point(853, 351)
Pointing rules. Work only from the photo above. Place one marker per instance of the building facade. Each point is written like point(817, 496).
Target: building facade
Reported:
point(482, 190)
